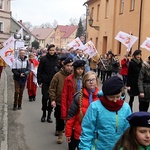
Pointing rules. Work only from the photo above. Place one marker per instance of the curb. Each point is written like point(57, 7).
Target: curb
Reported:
point(4, 143)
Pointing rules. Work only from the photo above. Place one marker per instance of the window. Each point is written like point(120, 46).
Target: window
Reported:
point(96, 45)
point(106, 9)
point(1, 27)
point(119, 48)
point(132, 4)
point(1, 4)
point(121, 6)
point(92, 11)
point(98, 7)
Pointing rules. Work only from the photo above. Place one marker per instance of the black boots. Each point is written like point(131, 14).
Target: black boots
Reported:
point(15, 107)
point(48, 117)
point(43, 116)
point(32, 98)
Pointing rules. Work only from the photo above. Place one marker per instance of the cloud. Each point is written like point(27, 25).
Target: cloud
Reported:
point(38, 12)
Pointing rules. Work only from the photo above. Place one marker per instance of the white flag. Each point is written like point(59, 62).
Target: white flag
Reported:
point(76, 43)
point(7, 52)
point(146, 44)
point(21, 33)
point(90, 49)
point(127, 39)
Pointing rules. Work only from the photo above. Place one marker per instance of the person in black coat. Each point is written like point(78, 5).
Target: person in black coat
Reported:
point(45, 73)
point(134, 68)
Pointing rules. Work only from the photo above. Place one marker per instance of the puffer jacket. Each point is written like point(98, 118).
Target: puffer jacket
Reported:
point(102, 128)
point(144, 81)
point(47, 68)
point(73, 121)
point(68, 91)
point(56, 85)
point(20, 66)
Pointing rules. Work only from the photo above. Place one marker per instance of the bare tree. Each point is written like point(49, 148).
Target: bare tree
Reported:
point(73, 21)
point(54, 24)
point(28, 25)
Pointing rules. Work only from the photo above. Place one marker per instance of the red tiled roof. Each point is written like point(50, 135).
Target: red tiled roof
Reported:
point(41, 33)
point(68, 30)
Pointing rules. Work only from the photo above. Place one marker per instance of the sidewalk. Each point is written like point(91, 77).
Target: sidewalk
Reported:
point(3, 112)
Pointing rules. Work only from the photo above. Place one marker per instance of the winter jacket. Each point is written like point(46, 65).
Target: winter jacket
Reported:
point(124, 67)
point(132, 77)
point(144, 81)
point(46, 68)
point(68, 91)
point(102, 128)
point(115, 66)
point(20, 66)
point(56, 85)
point(73, 121)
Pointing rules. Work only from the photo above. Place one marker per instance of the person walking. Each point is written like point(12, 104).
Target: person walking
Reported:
point(81, 56)
point(20, 69)
point(55, 92)
point(105, 120)
point(134, 68)
point(79, 106)
point(124, 68)
point(32, 77)
point(45, 73)
point(2, 62)
point(137, 136)
point(144, 86)
point(72, 84)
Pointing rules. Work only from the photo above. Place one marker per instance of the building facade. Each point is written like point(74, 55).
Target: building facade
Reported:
point(111, 16)
point(4, 20)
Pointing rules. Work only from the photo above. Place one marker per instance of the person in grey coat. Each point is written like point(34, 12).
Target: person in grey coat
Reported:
point(144, 86)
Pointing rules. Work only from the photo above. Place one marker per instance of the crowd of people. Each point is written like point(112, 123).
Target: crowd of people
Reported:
point(89, 116)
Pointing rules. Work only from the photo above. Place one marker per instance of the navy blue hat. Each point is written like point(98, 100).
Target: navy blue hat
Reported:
point(68, 60)
point(139, 119)
point(112, 86)
point(137, 52)
point(79, 63)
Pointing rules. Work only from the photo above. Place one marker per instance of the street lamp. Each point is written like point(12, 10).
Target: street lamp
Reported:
point(26, 38)
point(17, 36)
point(91, 24)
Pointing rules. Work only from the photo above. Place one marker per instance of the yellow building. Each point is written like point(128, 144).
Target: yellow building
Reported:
point(64, 34)
point(4, 20)
point(111, 16)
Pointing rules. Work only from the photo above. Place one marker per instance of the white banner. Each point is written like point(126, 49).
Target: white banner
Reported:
point(146, 44)
point(76, 43)
point(7, 52)
point(126, 39)
point(90, 49)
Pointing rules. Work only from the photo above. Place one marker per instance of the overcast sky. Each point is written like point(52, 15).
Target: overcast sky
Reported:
point(42, 11)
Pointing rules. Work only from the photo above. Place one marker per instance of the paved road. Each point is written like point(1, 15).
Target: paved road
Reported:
point(25, 131)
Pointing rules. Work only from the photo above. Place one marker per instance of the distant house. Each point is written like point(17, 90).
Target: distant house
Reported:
point(4, 20)
point(64, 35)
point(15, 26)
point(43, 36)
